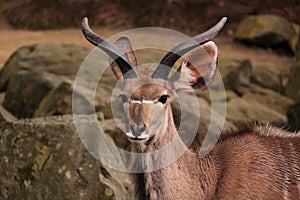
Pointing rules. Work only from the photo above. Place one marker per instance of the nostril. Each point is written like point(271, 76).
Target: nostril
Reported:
point(142, 128)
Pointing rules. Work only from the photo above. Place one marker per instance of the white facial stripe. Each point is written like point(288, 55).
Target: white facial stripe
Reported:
point(145, 101)
point(141, 102)
point(135, 101)
point(148, 101)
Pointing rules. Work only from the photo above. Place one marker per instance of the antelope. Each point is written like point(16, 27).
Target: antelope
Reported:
point(253, 162)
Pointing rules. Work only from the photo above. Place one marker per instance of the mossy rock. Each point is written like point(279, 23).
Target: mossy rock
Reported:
point(293, 116)
point(57, 59)
point(267, 75)
point(45, 159)
point(6, 116)
point(59, 101)
point(268, 31)
point(240, 109)
point(268, 98)
point(236, 73)
point(292, 89)
point(34, 75)
point(26, 90)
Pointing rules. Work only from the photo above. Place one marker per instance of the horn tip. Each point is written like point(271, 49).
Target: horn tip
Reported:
point(223, 20)
point(84, 21)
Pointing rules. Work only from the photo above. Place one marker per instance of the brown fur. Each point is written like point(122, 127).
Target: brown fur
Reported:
point(251, 163)
point(247, 164)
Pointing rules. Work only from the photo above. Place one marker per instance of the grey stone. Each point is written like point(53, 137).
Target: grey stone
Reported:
point(268, 76)
point(34, 75)
point(57, 59)
point(239, 109)
point(268, 31)
point(292, 89)
point(293, 116)
point(45, 159)
point(268, 98)
point(26, 90)
point(236, 73)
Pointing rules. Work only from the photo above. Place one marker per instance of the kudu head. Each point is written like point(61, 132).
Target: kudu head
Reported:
point(146, 95)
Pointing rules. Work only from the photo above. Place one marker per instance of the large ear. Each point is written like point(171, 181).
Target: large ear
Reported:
point(124, 45)
point(197, 69)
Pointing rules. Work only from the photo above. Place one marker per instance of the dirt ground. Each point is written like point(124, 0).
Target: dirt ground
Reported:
point(11, 40)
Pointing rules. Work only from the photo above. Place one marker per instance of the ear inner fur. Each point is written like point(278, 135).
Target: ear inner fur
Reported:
point(124, 44)
point(198, 68)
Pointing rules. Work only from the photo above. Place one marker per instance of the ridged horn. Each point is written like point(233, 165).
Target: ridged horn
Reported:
point(109, 48)
point(165, 65)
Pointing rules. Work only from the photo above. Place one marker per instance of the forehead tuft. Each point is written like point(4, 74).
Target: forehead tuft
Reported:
point(145, 87)
point(149, 91)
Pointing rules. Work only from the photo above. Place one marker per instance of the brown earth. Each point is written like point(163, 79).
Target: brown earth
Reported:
point(11, 40)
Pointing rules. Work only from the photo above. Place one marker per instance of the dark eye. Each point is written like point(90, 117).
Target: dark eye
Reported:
point(163, 99)
point(124, 99)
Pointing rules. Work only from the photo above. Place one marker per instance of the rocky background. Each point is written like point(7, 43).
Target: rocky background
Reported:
point(41, 155)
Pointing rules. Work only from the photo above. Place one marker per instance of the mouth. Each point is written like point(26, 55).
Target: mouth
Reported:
point(142, 138)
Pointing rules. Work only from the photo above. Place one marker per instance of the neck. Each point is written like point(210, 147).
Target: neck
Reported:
point(169, 180)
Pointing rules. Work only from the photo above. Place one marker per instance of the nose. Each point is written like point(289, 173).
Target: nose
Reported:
point(136, 129)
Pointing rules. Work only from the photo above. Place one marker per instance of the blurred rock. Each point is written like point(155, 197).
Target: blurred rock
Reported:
point(26, 90)
point(268, 31)
point(111, 128)
point(293, 116)
point(297, 54)
point(236, 73)
point(34, 71)
point(56, 59)
point(267, 75)
point(6, 116)
point(292, 89)
point(217, 95)
point(45, 159)
point(268, 98)
point(240, 109)
point(59, 102)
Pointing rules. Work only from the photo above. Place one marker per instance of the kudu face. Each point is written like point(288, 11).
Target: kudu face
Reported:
point(146, 107)
point(147, 94)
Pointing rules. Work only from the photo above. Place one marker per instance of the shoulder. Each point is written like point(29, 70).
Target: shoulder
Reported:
point(258, 131)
